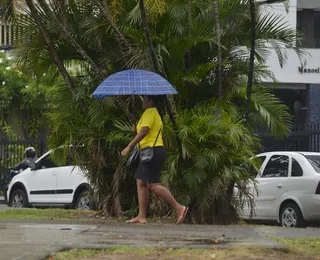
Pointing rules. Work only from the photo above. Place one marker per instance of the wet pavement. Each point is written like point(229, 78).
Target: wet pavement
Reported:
point(36, 240)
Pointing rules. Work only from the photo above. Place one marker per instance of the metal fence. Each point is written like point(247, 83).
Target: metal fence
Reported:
point(10, 33)
point(12, 150)
point(303, 137)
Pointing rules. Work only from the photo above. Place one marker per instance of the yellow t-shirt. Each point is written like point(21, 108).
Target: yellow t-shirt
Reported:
point(151, 119)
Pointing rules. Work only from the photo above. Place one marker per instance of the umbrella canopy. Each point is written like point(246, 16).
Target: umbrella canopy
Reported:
point(134, 82)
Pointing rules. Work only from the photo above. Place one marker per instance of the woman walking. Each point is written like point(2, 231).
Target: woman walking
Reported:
point(149, 134)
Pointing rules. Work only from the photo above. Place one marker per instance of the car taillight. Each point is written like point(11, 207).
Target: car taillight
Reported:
point(318, 188)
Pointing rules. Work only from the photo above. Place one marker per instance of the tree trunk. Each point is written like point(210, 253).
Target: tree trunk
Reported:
point(252, 55)
point(148, 36)
point(52, 50)
point(189, 17)
point(218, 33)
point(157, 70)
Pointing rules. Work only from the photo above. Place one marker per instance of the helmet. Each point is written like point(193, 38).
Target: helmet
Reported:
point(30, 152)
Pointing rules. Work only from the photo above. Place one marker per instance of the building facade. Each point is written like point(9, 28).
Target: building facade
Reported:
point(298, 81)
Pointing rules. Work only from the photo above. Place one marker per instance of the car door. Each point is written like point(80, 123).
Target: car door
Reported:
point(272, 186)
point(43, 181)
point(68, 179)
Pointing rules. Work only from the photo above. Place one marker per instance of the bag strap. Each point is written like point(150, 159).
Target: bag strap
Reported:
point(157, 137)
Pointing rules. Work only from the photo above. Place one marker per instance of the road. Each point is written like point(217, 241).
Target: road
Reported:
point(2, 206)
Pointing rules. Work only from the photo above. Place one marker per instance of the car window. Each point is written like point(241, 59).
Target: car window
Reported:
point(314, 160)
point(296, 169)
point(46, 163)
point(277, 166)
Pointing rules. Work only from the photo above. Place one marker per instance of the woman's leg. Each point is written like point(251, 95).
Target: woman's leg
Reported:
point(143, 199)
point(166, 195)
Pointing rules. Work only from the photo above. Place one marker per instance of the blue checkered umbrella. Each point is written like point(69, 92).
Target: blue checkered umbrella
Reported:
point(134, 82)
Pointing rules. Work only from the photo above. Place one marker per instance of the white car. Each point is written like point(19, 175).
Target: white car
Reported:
point(47, 185)
point(288, 188)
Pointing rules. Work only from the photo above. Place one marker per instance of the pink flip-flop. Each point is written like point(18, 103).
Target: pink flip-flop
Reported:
point(182, 216)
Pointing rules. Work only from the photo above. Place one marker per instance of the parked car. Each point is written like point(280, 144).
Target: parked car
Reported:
point(49, 185)
point(288, 185)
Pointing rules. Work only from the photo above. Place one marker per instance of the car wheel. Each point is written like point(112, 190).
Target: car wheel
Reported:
point(84, 201)
point(18, 199)
point(291, 216)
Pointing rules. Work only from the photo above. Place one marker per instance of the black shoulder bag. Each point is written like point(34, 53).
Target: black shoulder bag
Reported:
point(146, 154)
point(133, 159)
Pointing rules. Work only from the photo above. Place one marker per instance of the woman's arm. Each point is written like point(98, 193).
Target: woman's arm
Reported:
point(142, 134)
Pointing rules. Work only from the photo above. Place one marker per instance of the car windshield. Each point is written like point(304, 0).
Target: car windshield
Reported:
point(314, 161)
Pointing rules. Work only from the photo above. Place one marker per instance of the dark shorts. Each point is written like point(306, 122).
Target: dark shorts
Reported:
point(150, 172)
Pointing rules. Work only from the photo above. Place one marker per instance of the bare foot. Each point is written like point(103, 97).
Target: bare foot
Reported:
point(137, 220)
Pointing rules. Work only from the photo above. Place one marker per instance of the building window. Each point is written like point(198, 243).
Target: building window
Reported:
point(308, 23)
point(316, 30)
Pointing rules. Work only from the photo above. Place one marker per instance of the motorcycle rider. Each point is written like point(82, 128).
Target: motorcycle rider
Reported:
point(30, 159)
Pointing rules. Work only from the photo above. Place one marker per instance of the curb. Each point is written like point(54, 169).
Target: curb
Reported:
point(2, 201)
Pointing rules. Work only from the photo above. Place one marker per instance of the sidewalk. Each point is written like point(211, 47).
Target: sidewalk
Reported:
point(30, 240)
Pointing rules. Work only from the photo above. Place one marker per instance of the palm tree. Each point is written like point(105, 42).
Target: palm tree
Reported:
point(51, 49)
point(178, 40)
point(253, 47)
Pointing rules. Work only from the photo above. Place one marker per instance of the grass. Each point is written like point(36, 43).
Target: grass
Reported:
point(302, 245)
point(298, 249)
point(68, 214)
point(48, 214)
point(121, 253)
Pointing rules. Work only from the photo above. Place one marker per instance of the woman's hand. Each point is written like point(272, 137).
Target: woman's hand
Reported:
point(134, 128)
point(125, 151)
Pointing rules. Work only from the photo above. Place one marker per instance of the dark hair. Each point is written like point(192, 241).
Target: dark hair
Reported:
point(155, 99)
